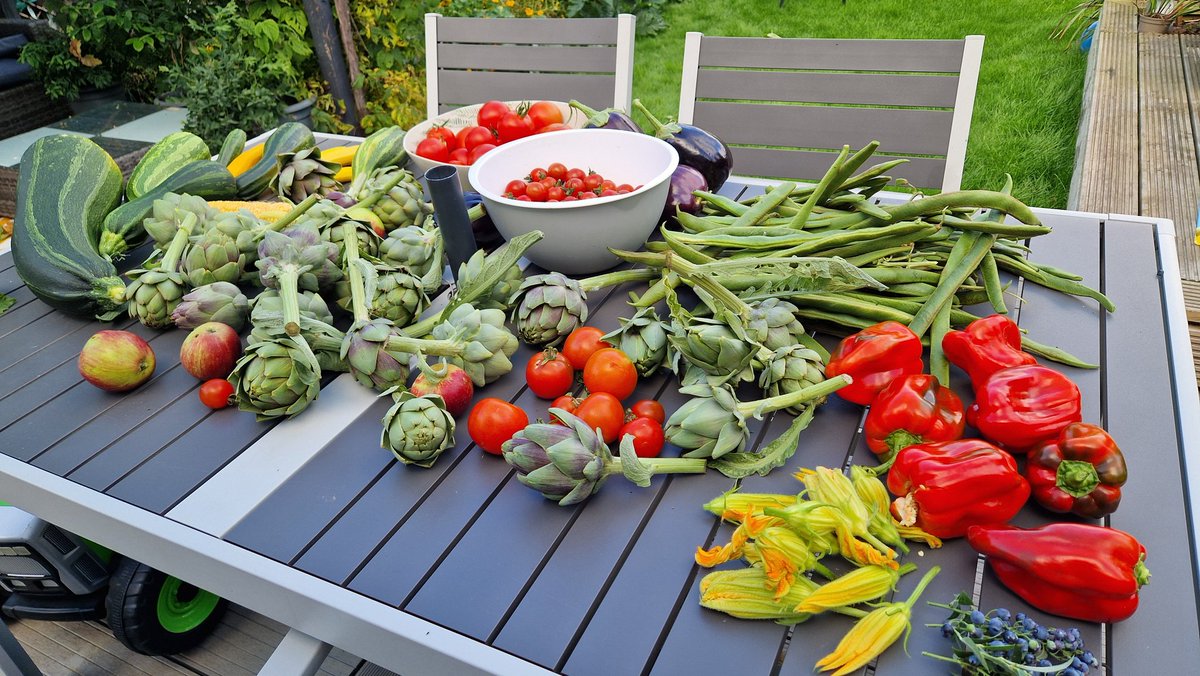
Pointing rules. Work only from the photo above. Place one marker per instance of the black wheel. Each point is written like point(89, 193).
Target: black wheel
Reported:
point(155, 614)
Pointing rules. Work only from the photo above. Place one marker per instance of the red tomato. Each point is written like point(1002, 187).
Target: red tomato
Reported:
point(544, 113)
point(524, 198)
point(513, 127)
point(460, 156)
point(557, 170)
point(607, 193)
point(608, 185)
point(647, 436)
point(602, 410)
point(626, 187)
point(649, 408)
point(593, 181)
point(538, 174)
point(490, 113)
point(586, 195)
point(555, 194)
point(573, 185)
point(536, 192)
point(567, 403)
point(549, 182)
point(554, 127)
point(476, 136)
point(576, 173)
point(494, 421)
point(444, 133)
point(516, 188)
point(570, 198)
point(610, 370)
point(549, 374)
point(478, 151)
point(582, 343)
point(434, 149)
point(216, 393)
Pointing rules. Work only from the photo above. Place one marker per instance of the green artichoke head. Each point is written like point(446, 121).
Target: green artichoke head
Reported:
point(300, 248)
point(214, 257)
point(487, 342)
point(548, 307)
point(217, 302)
point(789, 369)
point(304, 173)
point(277, 377)
point(417, 429)
point(709, 425)
point(167, 212)
point(643, 338)
point(714, 348)
point(565, 463)
point(773, 323)
point(370, 364)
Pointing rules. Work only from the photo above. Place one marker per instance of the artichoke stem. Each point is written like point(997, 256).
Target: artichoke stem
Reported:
point(358, 290)
point(170, 260)
point(821, 389)
point(436, 348)
point(296, 212)
point(377, 194)
point(669, 465)
point(289, 296)
point(618, 277)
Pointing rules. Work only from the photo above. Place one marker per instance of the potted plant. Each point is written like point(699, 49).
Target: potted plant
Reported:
point(1157, 16)
point(81, 60)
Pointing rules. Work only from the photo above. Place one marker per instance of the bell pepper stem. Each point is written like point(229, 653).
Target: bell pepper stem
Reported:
point(1140, 572)
point(900, 440)
point(1077, 478)
point(821, 389)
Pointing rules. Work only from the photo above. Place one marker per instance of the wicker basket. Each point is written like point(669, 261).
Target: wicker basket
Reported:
point(8, 180)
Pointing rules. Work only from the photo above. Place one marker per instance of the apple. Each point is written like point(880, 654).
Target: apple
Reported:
point(210, 350)
point(116, 361)
point(367, 216)
point(449, 382)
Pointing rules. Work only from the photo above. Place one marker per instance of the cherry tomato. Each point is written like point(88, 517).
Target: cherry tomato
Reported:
point(555, 194)
point(548, 182)
point(516, 188)
point(557, 170)
point(494, 421)
point(544, 113)
point(602, 410)
point(538, 174)
point(549, 374)
point(567, 403)
point(626, 187)
point(490, 114)
point(558, 126)
point(573, 185)
point(648, 408)
point(607, 193)
point(586, 195)
point(570, 198)
point(444, 133)
point(581, 344)
point(647, 436)
point(524, 198)
point(576, 173)
point(476, 136)
point(434, 149)
point(512, 127)
point(608, 185)
point(593, 181)
point(478, 151)
point(460, 156)
point(536, 192)
point(216, 393)
point(610, 370)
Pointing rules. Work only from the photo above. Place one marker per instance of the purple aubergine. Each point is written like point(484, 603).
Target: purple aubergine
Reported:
point(697, 148)
point(609, 118)
point(684, 182)
point(487, 237)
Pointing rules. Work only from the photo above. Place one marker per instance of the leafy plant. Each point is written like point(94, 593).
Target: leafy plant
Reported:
point(650, 20)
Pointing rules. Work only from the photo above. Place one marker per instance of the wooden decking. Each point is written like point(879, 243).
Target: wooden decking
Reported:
point(1139, 135)
point(238, 647)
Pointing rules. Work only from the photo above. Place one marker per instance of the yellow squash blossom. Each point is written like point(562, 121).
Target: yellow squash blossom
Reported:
point(869, 583)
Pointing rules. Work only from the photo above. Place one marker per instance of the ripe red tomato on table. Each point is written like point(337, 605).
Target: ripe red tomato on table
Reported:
point(490, 113)
point(444, 133)
point(602, 410)
point(582, 343)
point(513, 127)
point(549, 374)
point(494, 421)
point(544, 113)
point(648, 437)
point(215, 393)
point(567, 403)
point(435, 149)
point(610, 370)
point(649, 408)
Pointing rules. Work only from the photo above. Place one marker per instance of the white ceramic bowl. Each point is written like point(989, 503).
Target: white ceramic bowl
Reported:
point(578, 234)
point(465, 117)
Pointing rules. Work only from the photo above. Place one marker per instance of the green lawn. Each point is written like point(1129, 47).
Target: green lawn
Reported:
point(1026, 107)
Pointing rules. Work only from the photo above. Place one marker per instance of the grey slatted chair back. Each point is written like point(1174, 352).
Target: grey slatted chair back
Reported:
point(469, 61)
point(785, 105)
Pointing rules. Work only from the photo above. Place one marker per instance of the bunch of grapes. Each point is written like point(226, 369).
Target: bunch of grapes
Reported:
point(999, 642)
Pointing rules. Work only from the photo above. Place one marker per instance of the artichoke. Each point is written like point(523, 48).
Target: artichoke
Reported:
point(714, 348)
point(217, 302)
point(361, 220)
point(400, 204)
point(304, 173)
point(246, 230)
point(278, 376)
point(568, 463)
point(363, 347)
point(267, 308)
point(214, 257)
point(158, 286)
point(417, 429)
point(301, 247)
point(548, 307)
point(392, 293)
point(474, 340)
point(499, 294)
point(713, 423)
point(644, 339)
point(790, 369)
point(419, 249)
point(772, 322)
point(167, 213)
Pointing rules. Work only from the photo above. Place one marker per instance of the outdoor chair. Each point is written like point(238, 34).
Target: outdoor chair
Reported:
point(469, 61)
point(785, 104)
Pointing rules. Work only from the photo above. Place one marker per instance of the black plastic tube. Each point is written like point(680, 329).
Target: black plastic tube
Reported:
point(450, 212)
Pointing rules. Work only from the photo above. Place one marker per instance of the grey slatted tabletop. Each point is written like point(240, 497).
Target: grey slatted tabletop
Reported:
point(459, 568)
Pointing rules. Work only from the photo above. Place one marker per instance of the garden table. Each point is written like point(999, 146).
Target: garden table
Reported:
point(461, 569)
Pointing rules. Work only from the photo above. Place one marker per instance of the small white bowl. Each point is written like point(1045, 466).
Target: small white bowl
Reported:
point(579, 233)
point(460, 118)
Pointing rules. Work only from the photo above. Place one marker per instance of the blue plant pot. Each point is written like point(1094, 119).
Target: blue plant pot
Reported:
point(1085, 38)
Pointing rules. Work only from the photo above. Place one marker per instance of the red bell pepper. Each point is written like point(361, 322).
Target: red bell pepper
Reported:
point(913, 410)
point(1021, 406)
point(948, 486)
point(1076, 570)
point(1080, 472)
point(986, 346)
point(874, 357)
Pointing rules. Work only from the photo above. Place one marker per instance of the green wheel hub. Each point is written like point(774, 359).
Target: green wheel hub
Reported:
point(183, 607)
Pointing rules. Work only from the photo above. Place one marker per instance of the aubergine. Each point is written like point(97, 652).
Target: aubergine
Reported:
point(487, 237)
point(685, 182)
point(697, 148)
point(609, 118)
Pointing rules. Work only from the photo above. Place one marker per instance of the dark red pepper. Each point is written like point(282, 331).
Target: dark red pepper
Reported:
point(1076, 570)
point(913, 410)
point(1024, 405)
point(986, 346)
point(946, 487)
point(1080, 472)
point(874, 357)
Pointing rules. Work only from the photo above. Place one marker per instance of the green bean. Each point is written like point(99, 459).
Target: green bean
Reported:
point(722, 203)
point(683, 250)
point(954, 274)
point(849, 321)
point(894, 235)
point(978, 198)
point(939, 366)
point(1059, 272)
point(901, 275)
point(971, 297)
point(1025, 269)
point(871, 173)
point(847, 168)
point(697, 224)
point(878, 255)
point(1008, 229)
point(861, 204)
point(1056, 354)
point(801, 217)
point(657, 246)
point(917, 289)
point(764, 206)
point(991, 282)
point(858, 307)
point(957, 317)
point(655, 294)
point(755, 231)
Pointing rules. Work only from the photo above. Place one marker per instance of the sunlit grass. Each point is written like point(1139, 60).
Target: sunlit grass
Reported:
point(1026, 107)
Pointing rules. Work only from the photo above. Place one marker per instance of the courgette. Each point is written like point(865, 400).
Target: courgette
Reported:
point(384, 148)
point(235, 143)
point(66, 186)
point(123, 226)
point(288, 138)
point(163, 159)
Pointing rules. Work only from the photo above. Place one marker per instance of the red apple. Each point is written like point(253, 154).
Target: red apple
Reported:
point(116, 361)
point(367, 216)
point(449, 382)
point(210, 350)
